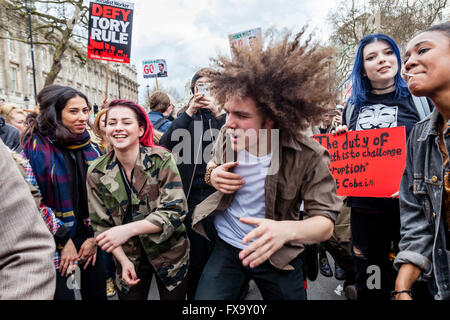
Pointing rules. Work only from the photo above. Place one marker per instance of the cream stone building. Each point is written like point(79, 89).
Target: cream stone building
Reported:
point(16, 72)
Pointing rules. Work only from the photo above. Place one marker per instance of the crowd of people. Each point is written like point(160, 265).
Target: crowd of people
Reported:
point(233, 187)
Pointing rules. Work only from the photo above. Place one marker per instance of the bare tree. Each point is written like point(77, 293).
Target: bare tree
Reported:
point(55, 24)
point(400, 19)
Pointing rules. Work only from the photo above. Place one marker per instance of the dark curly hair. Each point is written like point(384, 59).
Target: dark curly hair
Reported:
point(289, 81)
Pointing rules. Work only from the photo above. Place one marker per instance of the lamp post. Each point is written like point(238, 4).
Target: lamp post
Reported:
point(25, 99)
point(27, 5)
point(118, 80)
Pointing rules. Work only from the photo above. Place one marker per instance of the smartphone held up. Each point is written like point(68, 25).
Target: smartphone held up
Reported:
point(204, 89)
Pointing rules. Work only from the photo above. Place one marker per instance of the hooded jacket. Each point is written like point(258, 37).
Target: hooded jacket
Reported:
point(10, 135)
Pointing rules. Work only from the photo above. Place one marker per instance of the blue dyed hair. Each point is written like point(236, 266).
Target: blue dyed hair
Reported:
point(360, 84)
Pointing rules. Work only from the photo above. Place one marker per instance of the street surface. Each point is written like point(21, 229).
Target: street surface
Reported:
point(321, 289)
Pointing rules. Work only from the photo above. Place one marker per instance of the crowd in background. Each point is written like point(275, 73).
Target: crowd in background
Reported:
point(109, 203)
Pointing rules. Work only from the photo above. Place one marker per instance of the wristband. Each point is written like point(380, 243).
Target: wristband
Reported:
point(395, 292)
point(208, 173)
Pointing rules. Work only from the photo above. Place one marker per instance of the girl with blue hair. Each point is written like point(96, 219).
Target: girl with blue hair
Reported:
point(380, 99)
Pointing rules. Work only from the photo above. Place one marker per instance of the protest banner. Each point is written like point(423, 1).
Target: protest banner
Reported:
point(110, 26)
point(247, 38)
point(367, 163)
point(154, 68)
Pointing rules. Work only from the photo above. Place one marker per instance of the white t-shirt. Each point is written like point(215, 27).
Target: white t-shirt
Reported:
point(249, 200)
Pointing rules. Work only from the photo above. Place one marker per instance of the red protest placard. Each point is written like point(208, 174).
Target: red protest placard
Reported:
point(367, 163)
point(110, 26)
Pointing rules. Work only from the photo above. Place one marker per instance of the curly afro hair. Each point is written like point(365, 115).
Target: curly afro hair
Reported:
point(289, 81)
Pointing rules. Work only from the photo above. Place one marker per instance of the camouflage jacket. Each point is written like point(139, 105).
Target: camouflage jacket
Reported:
point(157, 195)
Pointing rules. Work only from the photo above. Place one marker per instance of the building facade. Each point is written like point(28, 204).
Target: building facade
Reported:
point(16, 72)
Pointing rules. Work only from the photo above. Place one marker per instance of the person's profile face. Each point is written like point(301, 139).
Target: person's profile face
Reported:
point(426, 64)
point(327, 117)
point(18, 121)
point(102, 124)
point(252, 42)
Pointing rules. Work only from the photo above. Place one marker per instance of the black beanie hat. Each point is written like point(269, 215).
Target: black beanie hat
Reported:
point(194, 79)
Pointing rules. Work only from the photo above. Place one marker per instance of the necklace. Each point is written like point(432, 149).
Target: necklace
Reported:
point(384, 88)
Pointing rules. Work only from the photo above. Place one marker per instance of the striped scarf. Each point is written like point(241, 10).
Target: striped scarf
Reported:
point(48, 163)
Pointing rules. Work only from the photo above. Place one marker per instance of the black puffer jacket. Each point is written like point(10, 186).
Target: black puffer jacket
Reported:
point(10, 135)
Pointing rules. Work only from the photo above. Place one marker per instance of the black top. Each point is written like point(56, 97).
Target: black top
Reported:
point(10, 135)
point(381, 111)
point(128, 188)
point(77, 169)
point(384, 111)
point(202, 121)
point(324, 130)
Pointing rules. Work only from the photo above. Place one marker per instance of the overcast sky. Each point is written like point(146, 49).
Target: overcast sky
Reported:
point(187, 33)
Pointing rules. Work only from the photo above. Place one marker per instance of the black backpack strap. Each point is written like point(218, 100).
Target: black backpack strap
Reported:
point(348, 110)
point(158, 124)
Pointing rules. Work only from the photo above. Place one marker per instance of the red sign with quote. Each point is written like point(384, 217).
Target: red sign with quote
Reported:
point(367, 163)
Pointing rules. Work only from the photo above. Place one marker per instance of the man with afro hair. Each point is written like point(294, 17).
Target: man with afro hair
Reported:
point(264, 166)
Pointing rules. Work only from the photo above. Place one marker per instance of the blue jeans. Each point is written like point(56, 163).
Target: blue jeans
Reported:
point(224, 276)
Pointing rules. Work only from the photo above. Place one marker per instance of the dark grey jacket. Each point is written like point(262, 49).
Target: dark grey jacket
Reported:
point(422, 225)
point(10, 135)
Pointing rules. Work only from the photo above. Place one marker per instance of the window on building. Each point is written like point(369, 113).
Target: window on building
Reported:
point(11, 43)
point(43, 56)
point(13, 77)
point(30, 84)
point(1, 79)
point(28, 51)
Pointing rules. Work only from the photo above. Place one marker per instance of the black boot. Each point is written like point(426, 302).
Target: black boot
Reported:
point(324, 265)
point(339, 273)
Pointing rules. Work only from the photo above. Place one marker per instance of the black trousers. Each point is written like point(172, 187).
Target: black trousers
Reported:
point(201, 248)
point(374, 234)
point(141, 290)
point(91, 282)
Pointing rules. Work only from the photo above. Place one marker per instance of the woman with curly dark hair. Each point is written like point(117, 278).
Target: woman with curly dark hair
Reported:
point(263, 167)
point(59, 150)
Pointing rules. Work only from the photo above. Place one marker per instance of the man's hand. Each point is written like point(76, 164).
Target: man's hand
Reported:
point(225, 181)
point(271, 234)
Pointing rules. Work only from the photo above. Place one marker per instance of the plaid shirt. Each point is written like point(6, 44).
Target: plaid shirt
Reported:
point(52, 222)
